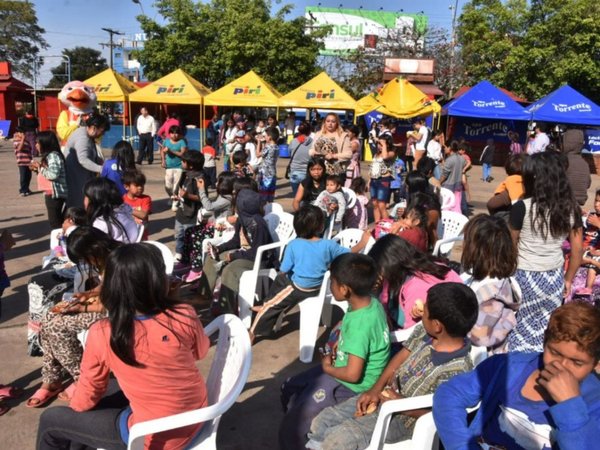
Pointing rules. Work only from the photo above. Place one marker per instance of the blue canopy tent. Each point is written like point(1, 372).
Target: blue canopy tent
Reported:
point(565, 105)
point(486, 101)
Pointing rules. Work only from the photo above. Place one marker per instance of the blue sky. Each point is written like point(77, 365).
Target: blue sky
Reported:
point(70, 23)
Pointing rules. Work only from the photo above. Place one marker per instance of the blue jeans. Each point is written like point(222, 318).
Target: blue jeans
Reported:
point(295, 179)
point(437, 171)
point(336, 428)
point(179, 235)
point(487, 170)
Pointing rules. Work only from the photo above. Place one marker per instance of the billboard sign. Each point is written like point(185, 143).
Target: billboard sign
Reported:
point(352, 28)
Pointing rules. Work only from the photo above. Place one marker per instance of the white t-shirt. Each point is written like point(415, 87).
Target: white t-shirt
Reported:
point(434, 150)
point(251, 151)
point(424, 132)
point(539, 144)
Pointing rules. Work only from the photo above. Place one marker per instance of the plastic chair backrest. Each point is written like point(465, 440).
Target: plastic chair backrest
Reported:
point(166, 254)
point(452, 225)
point(350, 197)
point(281, 226)
point(349, 237)
point(448, 198)
point(140, 235)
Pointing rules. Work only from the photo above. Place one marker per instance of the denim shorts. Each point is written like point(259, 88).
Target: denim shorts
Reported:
point(380, 189)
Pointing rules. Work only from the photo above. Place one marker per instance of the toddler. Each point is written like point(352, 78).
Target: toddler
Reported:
point(357, 217)
point(141, 204)
point(210, 164)
point(241, 168)
point(332, 201)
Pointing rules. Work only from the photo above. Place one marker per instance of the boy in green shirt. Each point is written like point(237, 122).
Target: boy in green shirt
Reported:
point(357, 360)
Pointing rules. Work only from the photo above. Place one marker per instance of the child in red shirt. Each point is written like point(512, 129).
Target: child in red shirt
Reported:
point(134, 182)
point(24, 155)
point(210, 164)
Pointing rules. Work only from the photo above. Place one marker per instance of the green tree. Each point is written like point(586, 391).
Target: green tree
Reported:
point(532, 49)
point(85, 63)
point(220, 40)
point(21, 38)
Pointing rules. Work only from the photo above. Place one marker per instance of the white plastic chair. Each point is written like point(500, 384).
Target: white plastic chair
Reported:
point(396, 207)
point(452, 225)
point(140, 235)
point(281, 226)
point(349, 237)
point(228, 374)
point(448, 199)
point(166, 254)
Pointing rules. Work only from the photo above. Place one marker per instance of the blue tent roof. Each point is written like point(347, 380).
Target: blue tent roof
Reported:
point(565, 105)
point(486, 101)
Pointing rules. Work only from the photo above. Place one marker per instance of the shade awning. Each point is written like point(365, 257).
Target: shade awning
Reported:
point(565, 105)
point(111, 86)
point(178, 87)
point(320, 92)
point(249, 90)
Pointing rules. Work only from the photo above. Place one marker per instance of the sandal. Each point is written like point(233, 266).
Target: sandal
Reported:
point(8, 392)
point(43, 396)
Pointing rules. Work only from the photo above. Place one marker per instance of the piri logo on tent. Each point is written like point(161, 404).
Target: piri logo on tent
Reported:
point(246, 90)
point(320, 94)
point(171, 89)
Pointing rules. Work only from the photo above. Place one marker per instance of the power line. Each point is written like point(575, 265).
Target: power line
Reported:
point(111, 43)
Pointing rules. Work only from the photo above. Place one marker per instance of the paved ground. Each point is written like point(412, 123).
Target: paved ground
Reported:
point(252, 422)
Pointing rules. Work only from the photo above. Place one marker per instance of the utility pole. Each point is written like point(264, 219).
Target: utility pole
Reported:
point(111, 43)
point(453, 47)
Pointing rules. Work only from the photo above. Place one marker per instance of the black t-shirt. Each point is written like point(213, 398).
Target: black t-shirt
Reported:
point(310, 191)
point(517, 215)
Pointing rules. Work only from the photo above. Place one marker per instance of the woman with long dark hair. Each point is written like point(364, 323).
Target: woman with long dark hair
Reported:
point(121, 160)
point(539, 225)
point(151, 343)
point(89, 248)
point(420, 194)
point(106, 211)
point(407, 274)
point(52, 168)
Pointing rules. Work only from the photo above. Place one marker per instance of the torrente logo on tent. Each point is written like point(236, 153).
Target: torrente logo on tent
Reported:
point(170, 89)
point(246, 90)
point(580, 107)
point(493, 104)
point(320, 94)
point(100, 88)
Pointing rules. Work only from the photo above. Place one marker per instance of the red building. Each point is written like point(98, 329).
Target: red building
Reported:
point(14, 94)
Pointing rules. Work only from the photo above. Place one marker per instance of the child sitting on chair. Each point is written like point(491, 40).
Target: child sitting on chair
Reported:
point(141, 204)
point(304, 264)
point(530, 400)
point(591, 247)
point(357, 360)
point(436, 351)
point(332, 201)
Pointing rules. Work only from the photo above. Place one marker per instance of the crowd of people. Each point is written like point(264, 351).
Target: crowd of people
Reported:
point(523, 289)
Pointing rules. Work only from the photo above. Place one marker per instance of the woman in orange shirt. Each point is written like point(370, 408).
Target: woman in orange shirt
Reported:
point(151, 344)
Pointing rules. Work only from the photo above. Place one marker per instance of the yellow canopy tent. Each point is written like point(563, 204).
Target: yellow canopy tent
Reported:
point(111, 86)
point(398, 98)
point(176, 88)
point(321, 92)
point(249, 90)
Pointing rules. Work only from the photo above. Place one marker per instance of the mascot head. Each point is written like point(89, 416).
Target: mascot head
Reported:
point(80, 98)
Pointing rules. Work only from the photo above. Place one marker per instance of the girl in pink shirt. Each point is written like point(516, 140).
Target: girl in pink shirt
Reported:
point(407, 275)
point(151, 344)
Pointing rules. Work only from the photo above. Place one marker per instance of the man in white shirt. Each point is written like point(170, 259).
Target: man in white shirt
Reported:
point(434, 151)
point(420, 134)
point(541, 140)
point(146, 128)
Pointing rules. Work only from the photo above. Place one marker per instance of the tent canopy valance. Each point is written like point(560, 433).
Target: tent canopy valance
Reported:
point(320, 92)
point(565, 105)
point(178, 87)
point(249, 90)
point(111, 86)
point(400, 99)
point(486, 101)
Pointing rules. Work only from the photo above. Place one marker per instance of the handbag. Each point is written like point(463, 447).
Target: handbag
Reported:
point(44, 184)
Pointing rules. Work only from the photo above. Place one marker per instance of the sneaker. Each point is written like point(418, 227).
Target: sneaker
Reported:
point(192, 276)
point(213, 252)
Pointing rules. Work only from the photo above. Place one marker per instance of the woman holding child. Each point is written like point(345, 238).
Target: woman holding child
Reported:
point(333, 144)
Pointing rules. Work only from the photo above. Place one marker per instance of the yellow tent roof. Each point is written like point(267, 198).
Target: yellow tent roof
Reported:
point(111, 86)
point(321, 92)
point(177, 87)
point(248, 90)
point(398, 98)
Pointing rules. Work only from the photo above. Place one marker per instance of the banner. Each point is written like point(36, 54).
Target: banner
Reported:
point(352, 28)
point(592, 141)
point(4, 128)
point(480, 130)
